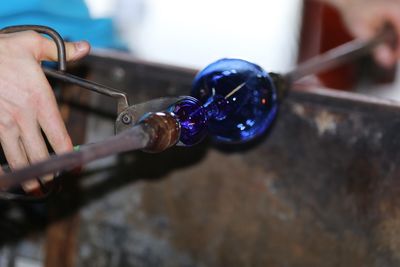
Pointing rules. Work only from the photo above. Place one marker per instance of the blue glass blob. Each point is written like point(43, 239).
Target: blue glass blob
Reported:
point(239, 98)
point(192, 118)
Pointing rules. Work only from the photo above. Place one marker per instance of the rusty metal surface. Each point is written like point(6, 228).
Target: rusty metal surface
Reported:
point(320, 189)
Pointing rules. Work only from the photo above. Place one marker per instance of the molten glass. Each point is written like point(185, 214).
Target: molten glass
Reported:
point(234, 101)
point(239, 98)
point(192, 118)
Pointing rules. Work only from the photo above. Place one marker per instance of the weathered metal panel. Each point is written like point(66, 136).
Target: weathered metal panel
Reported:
point(320, 189)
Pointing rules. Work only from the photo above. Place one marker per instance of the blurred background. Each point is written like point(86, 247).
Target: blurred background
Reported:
point(196, 33)
point(275, 35)
point(206, 207)
point(193, 34)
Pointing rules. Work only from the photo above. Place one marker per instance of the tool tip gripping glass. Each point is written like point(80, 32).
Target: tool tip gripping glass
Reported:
point(233, 101)
point(240, 98)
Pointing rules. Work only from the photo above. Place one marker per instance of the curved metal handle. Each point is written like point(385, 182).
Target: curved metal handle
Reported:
point(342, 54)
point(62, 65)
point(58, 40)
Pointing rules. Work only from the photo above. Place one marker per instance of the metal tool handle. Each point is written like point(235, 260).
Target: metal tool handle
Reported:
point(62, 62)
point(136, 138)
point(155, 133)
point(122, 99)
point(62, 65)
point(152, 132)
point(341, 54)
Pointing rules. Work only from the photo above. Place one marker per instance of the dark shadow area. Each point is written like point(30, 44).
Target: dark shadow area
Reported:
point(18, 219)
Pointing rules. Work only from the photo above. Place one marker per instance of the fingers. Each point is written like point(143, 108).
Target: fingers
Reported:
point(33, 143)
point(20, 132)
point(388, 54)
point(385, 56)
point(23, 143)
point(55, 131)
point(43, 48)
point(365, 20)
point(27, 102)
point(13, 149)
point(52, 124)
point(74, 50)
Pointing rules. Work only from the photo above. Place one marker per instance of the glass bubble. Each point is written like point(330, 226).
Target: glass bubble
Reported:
point(239, 98)
point(193, 120)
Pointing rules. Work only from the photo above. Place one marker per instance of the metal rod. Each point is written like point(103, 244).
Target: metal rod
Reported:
point(99, 88)
point(340, 55)
point(155, 133)
point(141, 136)
point(58, 40)
point(62, 65)
point(138, 137)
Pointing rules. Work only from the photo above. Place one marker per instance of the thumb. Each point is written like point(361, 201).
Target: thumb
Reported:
point(74, 50)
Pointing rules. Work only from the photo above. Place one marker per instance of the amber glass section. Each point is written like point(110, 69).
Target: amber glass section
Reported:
point(164, 131)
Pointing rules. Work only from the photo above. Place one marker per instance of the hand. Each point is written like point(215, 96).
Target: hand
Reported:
point(364, 18)
point(27, 102)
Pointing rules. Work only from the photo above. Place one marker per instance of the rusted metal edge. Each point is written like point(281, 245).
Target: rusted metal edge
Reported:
point(121, 57)
point(299, 89)
point(351, 100)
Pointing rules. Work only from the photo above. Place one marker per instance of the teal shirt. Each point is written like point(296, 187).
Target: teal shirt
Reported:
point(70, 18)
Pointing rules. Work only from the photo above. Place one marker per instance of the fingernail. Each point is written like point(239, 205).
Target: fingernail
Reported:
point(47, 178)
point(30, 186)
point(80, 46)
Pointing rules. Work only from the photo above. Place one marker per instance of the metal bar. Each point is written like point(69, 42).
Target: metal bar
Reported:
point(138, 137)
point(340, 55)
point(58, 40)
point(108, 91)
point(62, 65)
point(155, 133)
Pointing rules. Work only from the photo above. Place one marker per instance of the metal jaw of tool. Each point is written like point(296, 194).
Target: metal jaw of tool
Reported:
point(142, 126)
point(128, 115)
point(132, 114)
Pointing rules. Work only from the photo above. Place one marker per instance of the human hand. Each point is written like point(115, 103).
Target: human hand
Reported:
point(364, 18)
point(27, 103)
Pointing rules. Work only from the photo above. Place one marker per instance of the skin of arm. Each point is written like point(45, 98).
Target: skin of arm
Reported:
point(364, 18)
point(27, 103)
